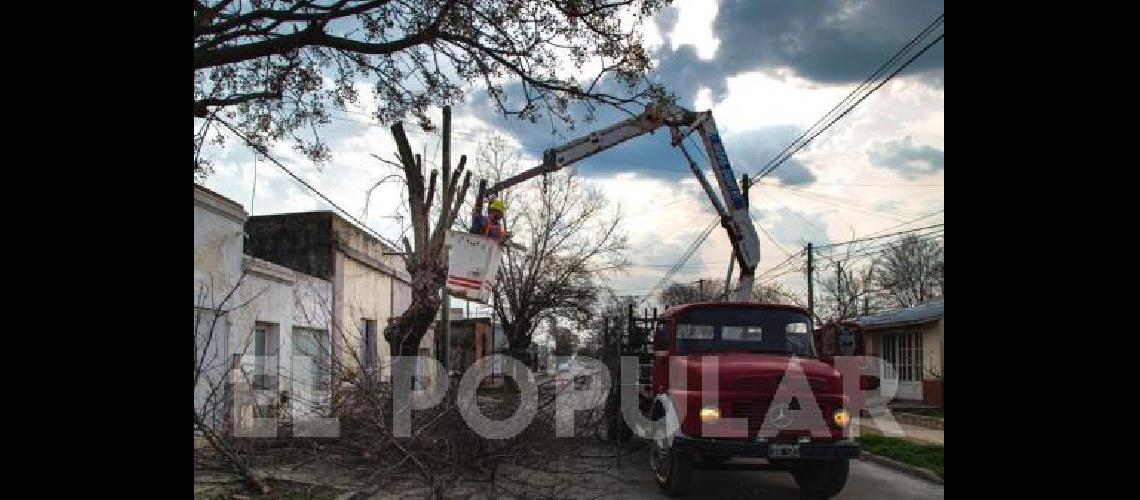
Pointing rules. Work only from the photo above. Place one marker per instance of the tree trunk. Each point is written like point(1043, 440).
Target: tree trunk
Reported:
point(426, 261)
point(519, 339)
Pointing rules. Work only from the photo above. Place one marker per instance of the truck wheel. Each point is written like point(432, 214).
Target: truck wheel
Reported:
point(673, 469)
point(825, 478)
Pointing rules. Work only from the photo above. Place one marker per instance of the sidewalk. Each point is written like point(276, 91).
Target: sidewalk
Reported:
point(913, 433)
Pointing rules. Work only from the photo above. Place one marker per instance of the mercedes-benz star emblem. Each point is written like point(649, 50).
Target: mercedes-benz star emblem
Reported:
point(780, 415)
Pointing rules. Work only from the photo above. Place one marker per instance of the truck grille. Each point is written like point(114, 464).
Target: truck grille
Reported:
point(756, 410)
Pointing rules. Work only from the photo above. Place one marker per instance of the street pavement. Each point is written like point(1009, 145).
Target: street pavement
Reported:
point(630, 478)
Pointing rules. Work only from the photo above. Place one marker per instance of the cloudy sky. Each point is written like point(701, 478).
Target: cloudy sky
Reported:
point(767, 69)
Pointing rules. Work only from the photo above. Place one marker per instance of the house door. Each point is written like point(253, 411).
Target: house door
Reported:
point(904, 351)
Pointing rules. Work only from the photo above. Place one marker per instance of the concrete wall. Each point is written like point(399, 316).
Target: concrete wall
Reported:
point(218, 233)
point(371, 283)
point(302, 242)
point(362, 293)
point(932, 343)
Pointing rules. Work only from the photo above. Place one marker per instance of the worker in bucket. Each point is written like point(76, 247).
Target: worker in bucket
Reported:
point(490, 225)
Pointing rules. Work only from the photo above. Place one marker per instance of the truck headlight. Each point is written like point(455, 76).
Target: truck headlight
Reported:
point(709, 414)
point(841, 417)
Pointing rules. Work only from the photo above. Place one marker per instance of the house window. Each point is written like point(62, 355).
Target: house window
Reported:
point(313, 343)
point(265, 343)
point(904, 351)
point(368, 343)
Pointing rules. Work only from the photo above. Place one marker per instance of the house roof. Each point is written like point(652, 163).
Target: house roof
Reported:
point(219, 204)
point(922, 313)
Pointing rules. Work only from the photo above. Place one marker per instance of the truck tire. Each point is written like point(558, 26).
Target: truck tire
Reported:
point(673, 470)
point(822, 479)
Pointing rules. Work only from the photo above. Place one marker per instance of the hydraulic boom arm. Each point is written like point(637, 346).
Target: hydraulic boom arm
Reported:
point(731, 205)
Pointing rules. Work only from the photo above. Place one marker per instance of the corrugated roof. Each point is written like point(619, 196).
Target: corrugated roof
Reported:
point(922, 313)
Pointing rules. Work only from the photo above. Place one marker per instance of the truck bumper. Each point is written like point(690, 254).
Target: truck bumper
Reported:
point(751, 449)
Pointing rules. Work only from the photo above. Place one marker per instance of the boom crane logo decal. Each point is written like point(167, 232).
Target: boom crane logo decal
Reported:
point(726, 172)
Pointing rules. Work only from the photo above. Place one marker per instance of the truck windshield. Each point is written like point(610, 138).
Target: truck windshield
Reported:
point(753, 330)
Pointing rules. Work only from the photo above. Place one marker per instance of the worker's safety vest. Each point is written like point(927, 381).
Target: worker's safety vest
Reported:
point(492, 229)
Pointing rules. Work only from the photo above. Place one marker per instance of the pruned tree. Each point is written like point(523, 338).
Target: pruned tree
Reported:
point(570, 234)
point(425, 257)
point(278, 68)
point(911, 271)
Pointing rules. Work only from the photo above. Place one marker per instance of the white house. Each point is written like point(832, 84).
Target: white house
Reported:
point(257, 316)
point(370, 286)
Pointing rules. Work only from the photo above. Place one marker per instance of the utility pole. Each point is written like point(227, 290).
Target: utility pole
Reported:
point(444, 326)
point(811, 295)
point(445, 322)
point(840, 292)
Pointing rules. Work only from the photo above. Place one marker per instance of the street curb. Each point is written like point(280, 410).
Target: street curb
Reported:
point(937, 424)
point(918, 472)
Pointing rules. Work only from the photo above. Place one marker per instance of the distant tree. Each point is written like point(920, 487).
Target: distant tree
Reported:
point(712, 290)
point(277, 68)
point(698, 291)
point(910, 271)
point(565, 341)
point(570, 234)
point(775, 293)
point(847, 289)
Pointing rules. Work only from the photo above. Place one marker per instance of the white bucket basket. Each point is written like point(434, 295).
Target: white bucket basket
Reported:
point(473, 263)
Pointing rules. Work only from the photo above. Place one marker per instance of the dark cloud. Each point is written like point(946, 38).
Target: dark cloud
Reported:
point(910, 160)
point(754, 34)
point(832, 41)
point(650, 155)
point(751, 151)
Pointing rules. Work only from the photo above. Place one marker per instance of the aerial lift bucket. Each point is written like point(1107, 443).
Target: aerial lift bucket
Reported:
point(473, 263)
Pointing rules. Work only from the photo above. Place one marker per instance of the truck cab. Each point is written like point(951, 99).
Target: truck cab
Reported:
point(774, 405)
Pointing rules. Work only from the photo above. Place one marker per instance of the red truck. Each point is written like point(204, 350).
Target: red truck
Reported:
point(751, 347)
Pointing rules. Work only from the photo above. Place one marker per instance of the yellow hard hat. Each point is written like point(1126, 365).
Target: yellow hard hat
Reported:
point(498, 205)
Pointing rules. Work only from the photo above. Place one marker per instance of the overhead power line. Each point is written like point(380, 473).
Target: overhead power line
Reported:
point(780, 158)
point(927, 216)
point(800, 142)
point(820, 247)
point(265, 152)
point(680, 262)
